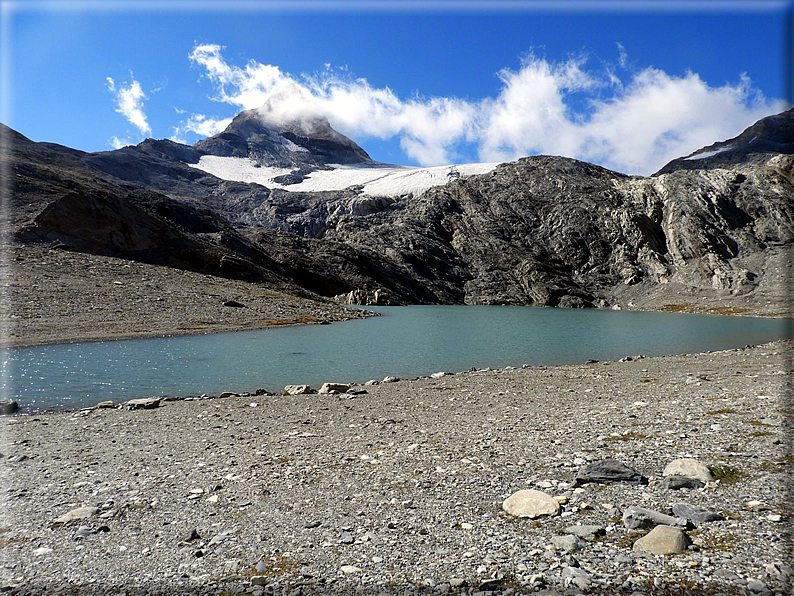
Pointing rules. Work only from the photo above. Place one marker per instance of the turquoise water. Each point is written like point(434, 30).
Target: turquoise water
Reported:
point(406, 341)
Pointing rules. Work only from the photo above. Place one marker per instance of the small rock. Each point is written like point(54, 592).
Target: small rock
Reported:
point(676, 482)
point(144, 403)
point(75, 515)
point(333, 388)
point(260, 566)
point(757, 586)
point(567, 543)
point(8, 406)
point(259, 580)
point(44, 550)
point(226, 394)
point(589, 533)
point(490, 585)
point(608, 470)
point(347, 569)
point(531, 504)
point(194, 535)
point(438, 375)
point(234, 304)
point(573, 576)
point(695, 514)
point(390, 379)
point(104, 404)
point(780, 570)
point(297, 390)
point(635, 518)
point(663, 540)
point(82, 532)
point(347, 538)
point(688, 468)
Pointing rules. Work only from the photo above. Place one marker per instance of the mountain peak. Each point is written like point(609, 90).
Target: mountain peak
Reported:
point(263, 136)
point(771, 135)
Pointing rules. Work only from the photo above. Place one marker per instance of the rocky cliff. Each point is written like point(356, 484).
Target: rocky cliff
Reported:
point(551, 231)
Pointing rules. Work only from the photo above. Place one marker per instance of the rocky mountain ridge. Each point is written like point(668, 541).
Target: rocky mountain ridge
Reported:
point(543, 230)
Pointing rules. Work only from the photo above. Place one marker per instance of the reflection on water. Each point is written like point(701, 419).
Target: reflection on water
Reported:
point(406, 342)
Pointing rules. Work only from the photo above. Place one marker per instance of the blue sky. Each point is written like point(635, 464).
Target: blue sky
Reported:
point(617, 84)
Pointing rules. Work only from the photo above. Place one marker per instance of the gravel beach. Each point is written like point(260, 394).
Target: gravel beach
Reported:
point(58, 296)
point(398, 487)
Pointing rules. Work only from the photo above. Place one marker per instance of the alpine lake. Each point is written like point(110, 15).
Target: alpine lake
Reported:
point(406, 342)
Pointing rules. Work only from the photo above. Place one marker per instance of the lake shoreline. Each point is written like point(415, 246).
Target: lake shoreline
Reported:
point(398, 486)
point(57, 296)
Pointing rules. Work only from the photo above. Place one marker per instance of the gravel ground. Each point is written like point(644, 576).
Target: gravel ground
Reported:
point(56, 296)
point(399, 489)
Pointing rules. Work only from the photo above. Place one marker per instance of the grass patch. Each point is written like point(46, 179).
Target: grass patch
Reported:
point(727, 474)
point(677, 307)
point(723, 542)
point(757, 423)
point(629, 539)
point(275, 565)
point(721, 411)
point(762, 433)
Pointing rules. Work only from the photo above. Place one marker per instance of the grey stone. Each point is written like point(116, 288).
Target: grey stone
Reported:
point(490, 585)
point(589, 533)
point(635, 518)
point(104, 404)
point(663, 540)
point(757, 586)
point(144, 403)
point(297, 390)
point(567, 543)
point(75, 515)
point(260, 566)
point(573, 576)
point(688, 468)
point(390, 379)
point(82, 532)
point(676, 482)
point(695, 514)
point(234, 304)
point(227, 394)
point(608, 471)
point(531, 504)
point(8, 406)
point(347, 538)
point(333, 388)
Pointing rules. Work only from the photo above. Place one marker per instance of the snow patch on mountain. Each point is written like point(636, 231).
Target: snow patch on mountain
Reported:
point(708, 153)
point(376, 179)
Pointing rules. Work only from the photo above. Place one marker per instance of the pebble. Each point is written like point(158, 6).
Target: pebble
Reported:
point(663, 540)
point(333, 388)
point(144, 403)
point(697, 515)
point(589, 533)
point(635, 518)
point(607, 471)
point(76, 514)
point(297, 390)
point(531, 504)
point(688, 468)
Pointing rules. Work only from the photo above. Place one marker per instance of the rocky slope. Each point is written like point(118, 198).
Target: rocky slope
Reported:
point(715, 228)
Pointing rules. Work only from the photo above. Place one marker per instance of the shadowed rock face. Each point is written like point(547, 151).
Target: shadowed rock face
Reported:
point(543, 230)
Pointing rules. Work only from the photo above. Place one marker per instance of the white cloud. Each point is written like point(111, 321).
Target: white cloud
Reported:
point(129, 103)
point(200, 125)
point(118, 143)
point(633, 124)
